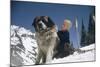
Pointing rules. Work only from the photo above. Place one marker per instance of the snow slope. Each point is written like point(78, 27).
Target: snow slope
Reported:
point(89, 55)
point(24, 49)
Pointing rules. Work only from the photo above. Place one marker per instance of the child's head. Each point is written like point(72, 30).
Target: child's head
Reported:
point(66, 25)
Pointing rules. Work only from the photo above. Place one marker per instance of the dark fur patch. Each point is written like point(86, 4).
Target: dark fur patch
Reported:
point(46, 20)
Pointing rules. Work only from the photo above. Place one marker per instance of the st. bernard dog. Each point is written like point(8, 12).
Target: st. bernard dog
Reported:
point(47, 39)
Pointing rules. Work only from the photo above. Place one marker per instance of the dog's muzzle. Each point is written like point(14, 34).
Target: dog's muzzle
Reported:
point(42, 26)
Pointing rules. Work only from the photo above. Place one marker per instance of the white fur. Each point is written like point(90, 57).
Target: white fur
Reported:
point(46, 44)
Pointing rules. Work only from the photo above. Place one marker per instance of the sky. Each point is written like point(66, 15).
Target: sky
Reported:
point(23, 14)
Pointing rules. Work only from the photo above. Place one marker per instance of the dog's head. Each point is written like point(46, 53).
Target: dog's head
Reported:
point(42, 23)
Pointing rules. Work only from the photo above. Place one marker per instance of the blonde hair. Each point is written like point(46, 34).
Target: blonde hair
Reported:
point(68, 24)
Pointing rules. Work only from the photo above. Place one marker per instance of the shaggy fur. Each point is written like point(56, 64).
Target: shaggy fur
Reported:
point(47, 39)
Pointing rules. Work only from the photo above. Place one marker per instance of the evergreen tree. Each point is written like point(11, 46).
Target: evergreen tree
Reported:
point(91, 28)
point(83, 36)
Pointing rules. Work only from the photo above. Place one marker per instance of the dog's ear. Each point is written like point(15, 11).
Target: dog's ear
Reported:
point(50, 22)
point(34, 23)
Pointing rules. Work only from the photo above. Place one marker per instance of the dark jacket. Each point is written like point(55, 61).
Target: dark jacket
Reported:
point(64, 38)
point(64, 47)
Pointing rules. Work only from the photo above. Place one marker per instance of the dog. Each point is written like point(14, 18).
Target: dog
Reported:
point(47, 39)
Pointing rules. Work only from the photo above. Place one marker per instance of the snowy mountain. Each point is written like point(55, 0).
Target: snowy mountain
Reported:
point(24, 49)
point(23, 46)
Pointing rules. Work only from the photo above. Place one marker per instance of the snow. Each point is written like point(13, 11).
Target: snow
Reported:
point(24, 49)
point(14, 40)
point(92, 46)
point(76, 57)
point(28, 43)
point(23, 46)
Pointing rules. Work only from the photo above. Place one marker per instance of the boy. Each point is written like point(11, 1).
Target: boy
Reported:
point(64, 48)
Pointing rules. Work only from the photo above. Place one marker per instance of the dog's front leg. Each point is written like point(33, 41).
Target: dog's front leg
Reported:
point(43, 58)
point(39, 56)
point(49, 55)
